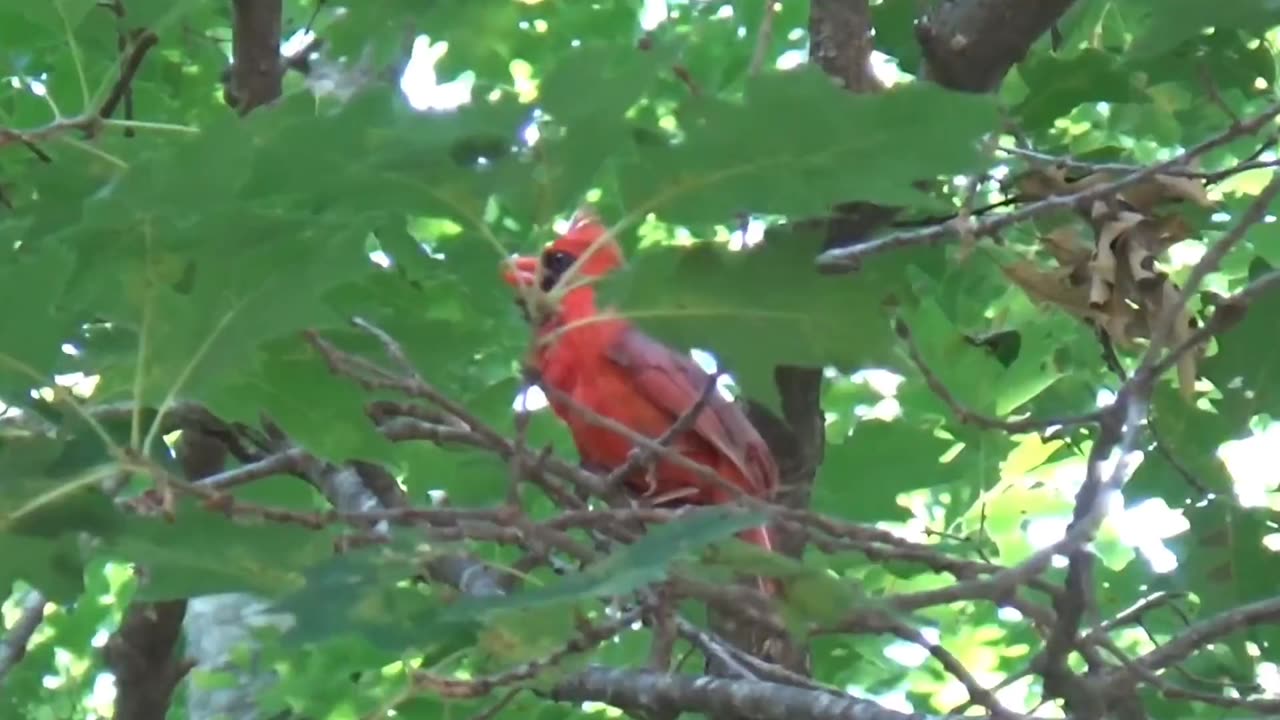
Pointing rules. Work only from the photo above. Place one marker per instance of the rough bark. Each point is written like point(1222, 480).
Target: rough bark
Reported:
point(143, 653)
point(970, 45)
point(663, 694)
point(257, 73)
point(142, 656)
point(217, 626)
point(840, 42)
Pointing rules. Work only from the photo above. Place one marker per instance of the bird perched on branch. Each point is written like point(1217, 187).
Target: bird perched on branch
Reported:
point(600, 370)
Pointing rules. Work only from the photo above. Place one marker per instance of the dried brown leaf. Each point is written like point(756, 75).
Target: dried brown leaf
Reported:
point(1052, 286)
point(1043, 182)
point(1067, 245)
point(1160, 189)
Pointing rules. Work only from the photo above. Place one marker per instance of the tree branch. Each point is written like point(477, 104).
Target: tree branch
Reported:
point(256, 76)
point(1196, 637)
point(847, 259)
point(749, 699)
point(142, 652)
point(971, 44)
point(14, 646)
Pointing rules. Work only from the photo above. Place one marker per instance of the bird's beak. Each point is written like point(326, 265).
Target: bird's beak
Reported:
point(520, 271)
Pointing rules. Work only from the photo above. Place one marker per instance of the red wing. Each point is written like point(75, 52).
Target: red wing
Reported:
point(674, 382)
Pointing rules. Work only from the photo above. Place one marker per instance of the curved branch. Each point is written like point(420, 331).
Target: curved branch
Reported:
point(749, 699)
point(970, 45)
point(1263, 612)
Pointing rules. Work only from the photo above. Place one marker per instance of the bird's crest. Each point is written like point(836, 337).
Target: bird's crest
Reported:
point(586, 230)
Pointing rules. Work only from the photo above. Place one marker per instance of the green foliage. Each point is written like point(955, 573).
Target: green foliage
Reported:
point(180, 263)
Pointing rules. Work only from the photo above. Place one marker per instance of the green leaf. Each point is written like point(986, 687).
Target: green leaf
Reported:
point(58, 14)
point(599, 81)
point(1247, 353)
point(811, 594)
point(646, 559)
point(47, 503)
point(1058, 85)
point(643, 562)
point(361, 593)
point(704, 297)
point(317, 409)
point(267, 559)
point(734, 158)
point(1169, 22)
point(467, 477)
point(52, 566)
point(970, 374)
point(201, 313)
point(31, 340)
point(861, 478)
point(526, 634)
point(156, 15)
point(1190, 437)
point(1223, 556)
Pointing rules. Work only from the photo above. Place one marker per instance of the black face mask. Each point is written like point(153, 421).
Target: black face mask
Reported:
point(554, 265)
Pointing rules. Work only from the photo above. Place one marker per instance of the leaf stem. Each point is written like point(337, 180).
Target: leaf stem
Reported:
point(75, 52)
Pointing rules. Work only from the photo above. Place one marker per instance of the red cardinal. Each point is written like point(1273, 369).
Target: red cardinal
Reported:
point(609, 366)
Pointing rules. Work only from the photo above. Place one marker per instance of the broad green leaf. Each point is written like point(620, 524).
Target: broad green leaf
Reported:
point(734, 159)
point(645, 561)
point(49, 502)
point(31, 340)
point(54, 567)
point(1169, 22)
point(703, 297)
point(158, 15)
point(1248, 354)
point(203, 552)
point(598, 81)
point(526, 634)
point(968, 372)
point(1189, 464)
point(55, 14)
point(201, 312)
point(810, 594)
point(1058, 85)
point(317, 409)
point(360, 593)
point(861, 477)
point(1224, 557)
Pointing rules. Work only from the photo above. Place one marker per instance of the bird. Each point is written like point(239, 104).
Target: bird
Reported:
point(600, 361)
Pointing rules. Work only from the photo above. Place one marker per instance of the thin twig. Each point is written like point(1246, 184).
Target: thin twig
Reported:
point(1227, 313)
point(1119, 424)
point(977, 693)
point(649, 444)
point(1210, 262)
point(1196, 637)
point(849, 258)
point(590, 637)
point(764, 38)
point(969, 417)
point(129, 66)
point(643, 457)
